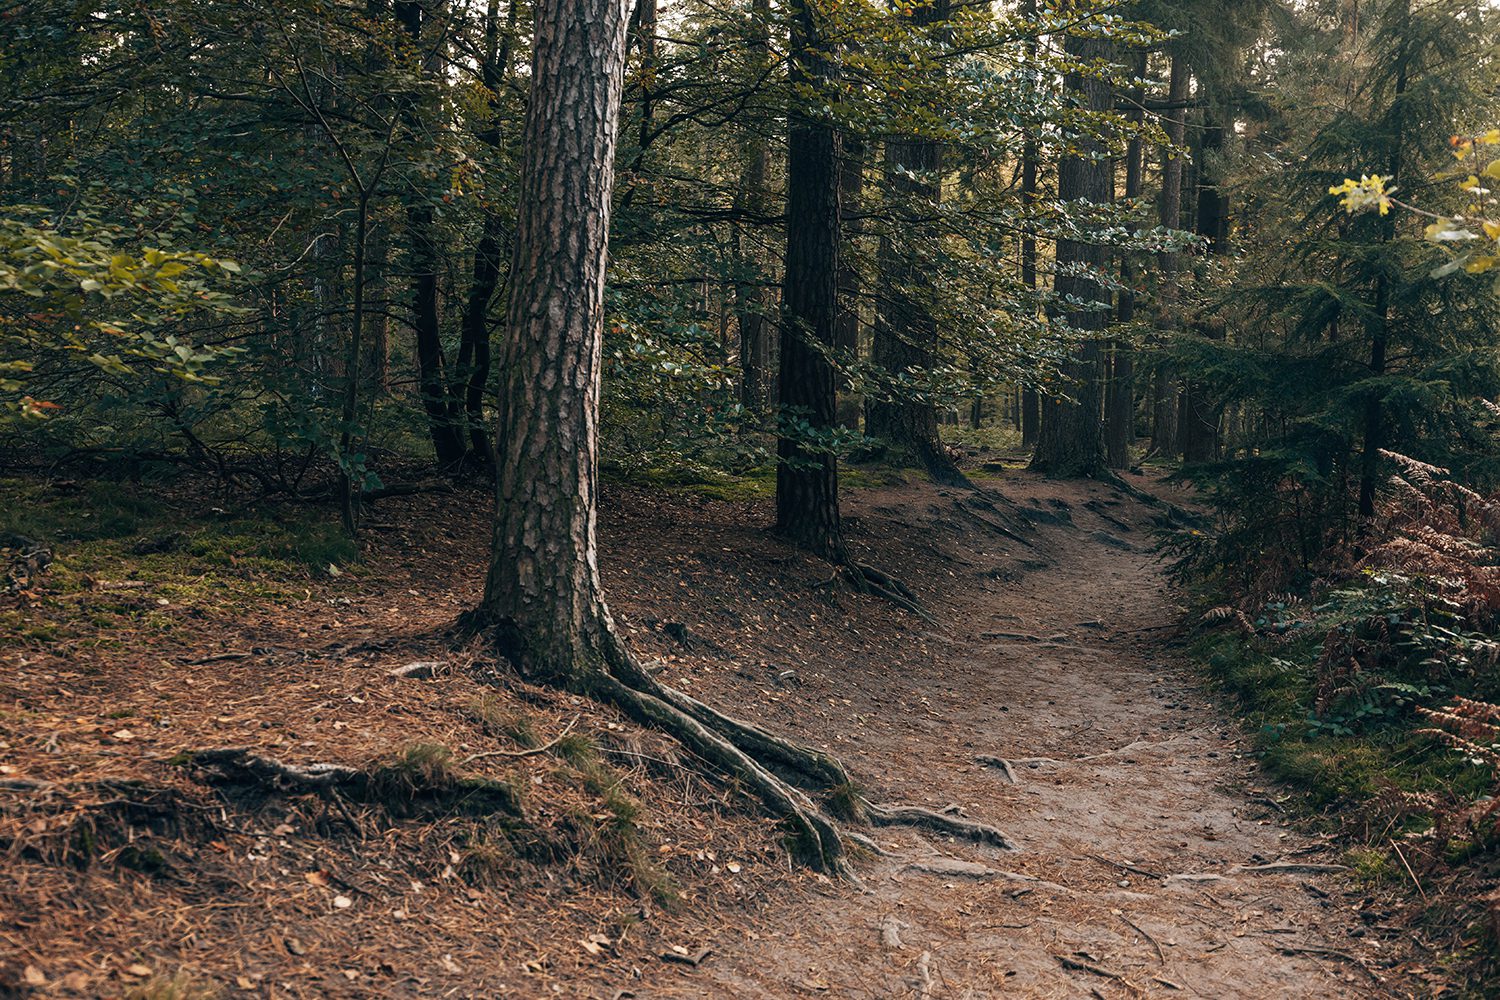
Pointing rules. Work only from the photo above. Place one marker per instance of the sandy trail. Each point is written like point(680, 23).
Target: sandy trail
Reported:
point(1140, 817)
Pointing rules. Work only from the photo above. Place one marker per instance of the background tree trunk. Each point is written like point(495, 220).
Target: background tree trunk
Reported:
point(1119, 402)
point(1164, 385)
point(1199, 430)
point(846, 335)
point(1071, 441)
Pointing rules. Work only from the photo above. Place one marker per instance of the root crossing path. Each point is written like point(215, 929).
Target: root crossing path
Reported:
point(1154, 860)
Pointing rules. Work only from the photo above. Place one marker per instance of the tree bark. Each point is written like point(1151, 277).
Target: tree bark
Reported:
point(905, 338)
point(846, 327)
point(1071, 441)
point(753, 302)
point(807, 497)
point(1199, 428)
point(1031, 157)
point(422, 265)
point(1119, 402)
point(1165, 384)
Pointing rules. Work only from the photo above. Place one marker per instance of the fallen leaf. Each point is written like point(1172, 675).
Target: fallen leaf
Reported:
point(316, 878)
point(33, 976)
point(138, 970)
point(123, 735)
point(342, 902)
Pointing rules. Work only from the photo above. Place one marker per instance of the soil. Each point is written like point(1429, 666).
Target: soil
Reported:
point(1144, 830)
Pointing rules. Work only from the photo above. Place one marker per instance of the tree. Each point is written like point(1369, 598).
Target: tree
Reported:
point(906, 331)
point(1071, 441)
point(807, 477)
point(543, 601)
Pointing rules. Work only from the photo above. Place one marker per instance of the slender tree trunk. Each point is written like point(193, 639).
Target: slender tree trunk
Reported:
point(1380, 319)
point(1119, 403)
point(807, 485)
point(1071, 441)
point(1031, 158)
point(1199, 429)
point(753, 302)
point(1165, 384)
point(422, 256)
point(846, 330)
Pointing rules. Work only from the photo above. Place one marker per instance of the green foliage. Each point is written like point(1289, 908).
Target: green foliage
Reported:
point(77, 294)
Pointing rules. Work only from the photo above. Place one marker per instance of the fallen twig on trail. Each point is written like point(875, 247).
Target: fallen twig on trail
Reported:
point(1330, 953)
point(1288, 866)
point(1127, 866)
point(1097, 970)
point(1160, 956)
point(529, 752)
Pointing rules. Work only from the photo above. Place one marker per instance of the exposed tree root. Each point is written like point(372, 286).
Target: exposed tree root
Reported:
point(937, 822)
point(869, 580)
point(780, 773)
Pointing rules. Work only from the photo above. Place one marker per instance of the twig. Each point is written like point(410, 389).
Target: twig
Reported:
point(1330, 953)
point(1414, 880)
point(1098, 970)
point(1160, 957)
point(1123, 866)
point(530, 752)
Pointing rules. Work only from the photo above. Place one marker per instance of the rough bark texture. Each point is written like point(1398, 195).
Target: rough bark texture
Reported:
point(543, 600)
point(1071, 441)
point(906, 333)
point(807, 502)
point(543, 593)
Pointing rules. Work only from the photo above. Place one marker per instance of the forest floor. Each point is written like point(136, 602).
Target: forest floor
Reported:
point(1153, 860)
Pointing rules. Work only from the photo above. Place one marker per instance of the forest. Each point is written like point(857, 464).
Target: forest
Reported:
point(749, 498)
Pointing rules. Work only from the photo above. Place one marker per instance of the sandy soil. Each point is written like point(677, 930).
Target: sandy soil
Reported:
point(1140, 820)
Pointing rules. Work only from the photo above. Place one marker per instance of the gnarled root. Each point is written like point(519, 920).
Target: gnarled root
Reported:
point(869, 580)
point(749, 753)
point(927, 819)
point(816, 840)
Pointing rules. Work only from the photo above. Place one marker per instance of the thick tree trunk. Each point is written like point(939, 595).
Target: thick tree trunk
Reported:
point(807, 497)
point(1071, 440)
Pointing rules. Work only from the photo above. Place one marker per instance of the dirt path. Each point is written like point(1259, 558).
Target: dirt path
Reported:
point(1139, 821)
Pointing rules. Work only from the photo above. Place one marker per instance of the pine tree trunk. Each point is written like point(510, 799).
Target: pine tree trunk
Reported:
point(905, 339)
point(1071, 440)
point(846, 333)
point(1164, 402)
point(1119, 403)
point(1199, 430)
point(807, 487)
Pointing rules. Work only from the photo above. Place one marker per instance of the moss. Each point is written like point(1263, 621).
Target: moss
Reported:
point(181, 986)
point(1370, 866)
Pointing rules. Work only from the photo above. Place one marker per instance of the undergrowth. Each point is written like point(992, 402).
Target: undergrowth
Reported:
point(1371, 690)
